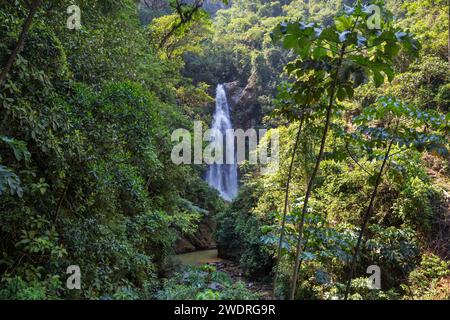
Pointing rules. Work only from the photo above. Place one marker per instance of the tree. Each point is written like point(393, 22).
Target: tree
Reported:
point(332, 62)
point(392, 123)
point(186, 14)
point(286, 204)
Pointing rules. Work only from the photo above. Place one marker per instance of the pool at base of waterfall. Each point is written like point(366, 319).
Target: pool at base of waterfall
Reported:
point(197, 258)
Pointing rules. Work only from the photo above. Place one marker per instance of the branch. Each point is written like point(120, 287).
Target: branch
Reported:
point(23, 35)
point(355, 160)
point(184, 18)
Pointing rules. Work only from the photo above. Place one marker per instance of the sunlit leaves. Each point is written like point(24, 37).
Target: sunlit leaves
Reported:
point(348, 47)
point(393, 246)
point(410, 130)
point(321, 241)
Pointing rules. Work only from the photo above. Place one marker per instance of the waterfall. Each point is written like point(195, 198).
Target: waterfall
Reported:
point(223, 177)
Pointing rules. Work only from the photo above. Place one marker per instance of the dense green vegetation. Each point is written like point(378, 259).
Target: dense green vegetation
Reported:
point(402, 215)
point(86, 176)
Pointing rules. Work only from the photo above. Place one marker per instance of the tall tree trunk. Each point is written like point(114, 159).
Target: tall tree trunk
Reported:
point(23, 35)
point(313, 176)
point(286, 202)
point(367, 217)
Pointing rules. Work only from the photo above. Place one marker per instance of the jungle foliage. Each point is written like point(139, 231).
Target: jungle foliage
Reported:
point(372, 192)
point(86, 177)
point(86, 118)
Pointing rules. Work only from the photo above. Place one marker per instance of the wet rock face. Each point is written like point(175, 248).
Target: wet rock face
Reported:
point(203, 239)
point(246, 110)
point(184, 246)
point(234, 92)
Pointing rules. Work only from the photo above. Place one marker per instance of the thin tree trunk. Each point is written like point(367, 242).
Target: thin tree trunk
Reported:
point(286, 201)
point(313, 176)
point(448, 52)
point(61, 199)
point(23, 35)
point(366, 218)
point(147, 184)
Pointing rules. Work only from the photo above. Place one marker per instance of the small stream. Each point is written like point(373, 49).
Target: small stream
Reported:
point(199, 257)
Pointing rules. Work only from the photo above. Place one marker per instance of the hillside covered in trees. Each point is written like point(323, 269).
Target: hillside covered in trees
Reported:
point(357, 92)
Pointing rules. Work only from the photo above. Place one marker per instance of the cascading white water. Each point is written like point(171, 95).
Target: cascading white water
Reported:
point(223, 177)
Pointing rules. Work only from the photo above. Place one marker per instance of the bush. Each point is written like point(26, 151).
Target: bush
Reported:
point(204, 283)
point(430, 280)
point(16, 288)
point(414, 204)
point(443, 97)
point(360, 290)
point(239, 235)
